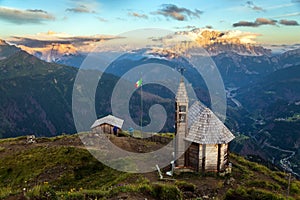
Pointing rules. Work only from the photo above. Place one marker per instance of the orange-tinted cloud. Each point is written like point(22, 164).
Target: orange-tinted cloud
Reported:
point(138, 15)
point(288, 22)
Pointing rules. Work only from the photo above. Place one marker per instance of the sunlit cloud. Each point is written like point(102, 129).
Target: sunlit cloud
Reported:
point(30, 16)
point(171, 11)
point(138, 15)
point(41, 40)
point(256, 23)
point(288, 22)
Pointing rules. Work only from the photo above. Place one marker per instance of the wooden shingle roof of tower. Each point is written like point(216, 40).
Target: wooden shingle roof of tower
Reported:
point(205, 127)
point(181, 95)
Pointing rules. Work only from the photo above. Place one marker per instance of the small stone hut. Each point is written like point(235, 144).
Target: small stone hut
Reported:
point(208, 138)
point(108, 124)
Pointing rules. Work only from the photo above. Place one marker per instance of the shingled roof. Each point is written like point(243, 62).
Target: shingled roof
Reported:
point(109, 119)
point(205, 127)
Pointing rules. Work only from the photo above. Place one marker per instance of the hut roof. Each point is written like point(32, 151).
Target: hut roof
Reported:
point(109, 119)
point(205, 127)
point(181, 95)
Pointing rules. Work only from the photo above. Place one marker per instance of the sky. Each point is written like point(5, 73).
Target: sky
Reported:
point(273, 22)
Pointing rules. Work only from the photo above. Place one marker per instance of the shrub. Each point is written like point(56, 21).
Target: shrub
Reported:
point(166, 192)
point(185, 186)
point(145, 189)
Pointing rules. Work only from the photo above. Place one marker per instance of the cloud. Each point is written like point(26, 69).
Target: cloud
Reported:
point(18, 16)
point(258, 22)
point(80, 9)
point(288, 22)
point(288, 15)
point(102, 19)
point(177, 13)
point(206, 37)
point(189, 27)
point(280, 6)
point(251, 5)
point(186, 27)
point(42, 39)
point(245, 23)
point(36, 10)
point(138, 15)
point(264, 21)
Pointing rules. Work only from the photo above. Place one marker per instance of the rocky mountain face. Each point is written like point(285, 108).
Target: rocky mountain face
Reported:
point(51, 53)
point(213, 41)
point(217, 42)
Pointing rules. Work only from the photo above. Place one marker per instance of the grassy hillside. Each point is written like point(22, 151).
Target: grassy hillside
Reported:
point(60, 168)
point(35, 96)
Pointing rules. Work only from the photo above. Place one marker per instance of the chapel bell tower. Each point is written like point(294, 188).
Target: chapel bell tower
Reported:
point(181, 123)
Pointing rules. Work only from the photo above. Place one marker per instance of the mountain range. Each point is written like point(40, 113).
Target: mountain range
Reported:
point(263, 94)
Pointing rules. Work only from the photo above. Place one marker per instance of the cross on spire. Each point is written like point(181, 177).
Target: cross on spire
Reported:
point(181, 70)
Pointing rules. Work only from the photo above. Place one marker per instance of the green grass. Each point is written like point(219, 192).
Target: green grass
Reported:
point(264, 185)
point(7, 191)
point(252, 193)
point(12, 139)
point(65, 172)
point(76, 166)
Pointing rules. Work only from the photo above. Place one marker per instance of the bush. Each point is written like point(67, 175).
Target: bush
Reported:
point(166, 192)
point(145, 189)
point(185, 186)
point(82, 194)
